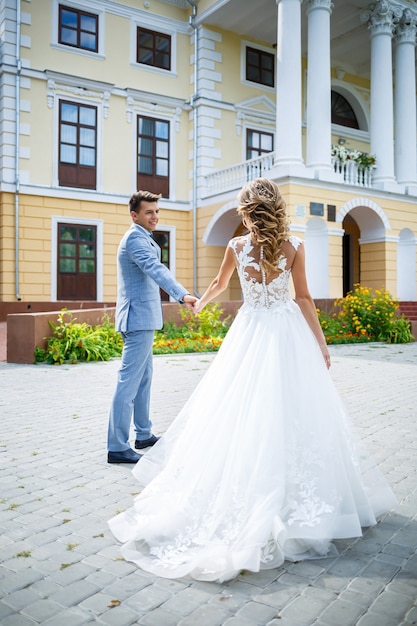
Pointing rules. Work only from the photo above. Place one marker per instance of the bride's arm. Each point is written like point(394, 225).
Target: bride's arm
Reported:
point(220, 282)
point(306, 302)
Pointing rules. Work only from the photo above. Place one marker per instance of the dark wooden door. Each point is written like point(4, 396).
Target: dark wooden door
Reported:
point(77, 262)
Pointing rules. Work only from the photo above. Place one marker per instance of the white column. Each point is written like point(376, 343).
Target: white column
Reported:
point(381, 22)
point(319, 86)
point(288, 148)
point(405, 103)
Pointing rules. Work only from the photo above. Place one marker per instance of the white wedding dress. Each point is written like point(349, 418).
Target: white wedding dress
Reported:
point(260, 465)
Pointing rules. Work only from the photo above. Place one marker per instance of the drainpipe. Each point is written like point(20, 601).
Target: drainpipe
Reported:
point(17, 144)
point(195, 141)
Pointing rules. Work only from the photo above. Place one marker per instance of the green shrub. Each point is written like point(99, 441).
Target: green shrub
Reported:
point(365, 315)
point(73, 342)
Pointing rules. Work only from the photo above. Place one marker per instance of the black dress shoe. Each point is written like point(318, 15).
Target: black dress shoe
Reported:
point(126, 456)
point(146, 443)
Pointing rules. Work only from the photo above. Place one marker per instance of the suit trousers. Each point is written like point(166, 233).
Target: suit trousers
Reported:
point(133, 391)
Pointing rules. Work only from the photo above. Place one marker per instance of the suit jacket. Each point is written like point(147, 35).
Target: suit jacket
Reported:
point(140, 274)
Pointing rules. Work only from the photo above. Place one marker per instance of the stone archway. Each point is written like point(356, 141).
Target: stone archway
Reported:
point(367, 248)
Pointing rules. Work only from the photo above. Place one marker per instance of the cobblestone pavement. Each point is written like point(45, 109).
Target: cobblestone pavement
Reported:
point(60, 565)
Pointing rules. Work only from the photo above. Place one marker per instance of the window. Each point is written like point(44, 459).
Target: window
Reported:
point(153, 49)
point(260, 67)
point(258, 143)
point(78, 29)
point(153, 155)
point(77, 145)
point(342, 112)
point(162, 239)
point(77, 261)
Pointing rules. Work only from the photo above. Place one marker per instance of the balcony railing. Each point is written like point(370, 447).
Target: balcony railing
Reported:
point(236, 176)
point(353, 173)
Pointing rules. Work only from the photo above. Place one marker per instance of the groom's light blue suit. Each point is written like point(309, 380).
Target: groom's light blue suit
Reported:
point(140, 274)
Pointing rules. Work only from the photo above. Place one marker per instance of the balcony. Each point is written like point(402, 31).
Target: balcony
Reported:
point(236, 176)
point(220, 181)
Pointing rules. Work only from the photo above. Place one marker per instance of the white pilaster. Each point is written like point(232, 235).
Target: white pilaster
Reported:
point(405, 103)
point(288, 148)
point(319, 88)
point(381, 22)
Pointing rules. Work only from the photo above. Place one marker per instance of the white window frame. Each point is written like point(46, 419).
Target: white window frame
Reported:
point(79, 6)
point(99, 147)
point(156, 28)
point(249, 44)
point(257, 129)
point(60, 219)
point(171, 162)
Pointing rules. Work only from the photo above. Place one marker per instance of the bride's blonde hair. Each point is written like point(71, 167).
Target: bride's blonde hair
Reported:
point(263, 212)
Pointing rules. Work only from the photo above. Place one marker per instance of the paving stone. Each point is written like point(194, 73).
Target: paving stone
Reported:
point(69, 617)
point(74, 593)
point(5, 611)
point(159, 617)
point(147, 599)
point(304, 609)
point(342, 612)
point(119, 616)
point(257, 613)
point(42, 610)
point(21, 599)
point(16, 620)
point(206, 616)
point(277, 596)
point(394, 605)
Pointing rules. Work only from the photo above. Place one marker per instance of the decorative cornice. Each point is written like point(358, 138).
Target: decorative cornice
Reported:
point(77, 86)
point(151, 103)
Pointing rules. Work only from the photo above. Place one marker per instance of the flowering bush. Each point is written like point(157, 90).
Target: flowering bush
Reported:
point(365, 315)
point(365, 161)
point(202, 333)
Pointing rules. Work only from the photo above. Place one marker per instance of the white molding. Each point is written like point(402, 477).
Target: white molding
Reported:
point(386, 239)
point(55, 219)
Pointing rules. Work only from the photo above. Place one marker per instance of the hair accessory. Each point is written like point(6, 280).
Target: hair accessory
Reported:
point(263, 192)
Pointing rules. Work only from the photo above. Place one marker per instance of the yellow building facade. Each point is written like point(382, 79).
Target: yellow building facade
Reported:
point(191, 99)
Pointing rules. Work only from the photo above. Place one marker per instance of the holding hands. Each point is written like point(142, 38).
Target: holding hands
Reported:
point(189, 301)
point(193, 303)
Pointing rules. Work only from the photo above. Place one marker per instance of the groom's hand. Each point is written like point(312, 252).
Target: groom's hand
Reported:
point(189, 301)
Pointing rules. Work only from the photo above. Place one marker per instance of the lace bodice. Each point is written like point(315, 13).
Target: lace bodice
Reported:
point(259, 291)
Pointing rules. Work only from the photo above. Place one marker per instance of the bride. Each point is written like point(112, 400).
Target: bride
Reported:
point(260, 465)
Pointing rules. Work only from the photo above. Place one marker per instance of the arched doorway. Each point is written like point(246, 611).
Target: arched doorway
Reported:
point(351, 254)
point(367, 248)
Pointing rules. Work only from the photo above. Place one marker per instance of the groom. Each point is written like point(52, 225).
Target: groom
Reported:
point(140, 274)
